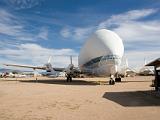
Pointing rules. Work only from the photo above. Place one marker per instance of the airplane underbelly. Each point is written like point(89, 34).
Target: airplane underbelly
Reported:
point(102, 69)
point(105, 70)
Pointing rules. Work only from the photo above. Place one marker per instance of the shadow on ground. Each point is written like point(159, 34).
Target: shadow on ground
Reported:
point(135, 81)
point(134, 98)
point(62, 82)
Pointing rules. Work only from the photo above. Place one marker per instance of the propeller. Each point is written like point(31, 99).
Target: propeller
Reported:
point(70, 67)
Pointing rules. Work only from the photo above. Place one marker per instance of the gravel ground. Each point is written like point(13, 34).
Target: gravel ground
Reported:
point(83, 99)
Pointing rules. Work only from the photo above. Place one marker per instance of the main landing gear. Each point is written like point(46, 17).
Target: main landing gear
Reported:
point(112, 81)
point(69, 78)
point(118, 79)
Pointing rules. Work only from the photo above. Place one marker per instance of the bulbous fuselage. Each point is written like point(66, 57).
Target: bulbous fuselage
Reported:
point(102, 53)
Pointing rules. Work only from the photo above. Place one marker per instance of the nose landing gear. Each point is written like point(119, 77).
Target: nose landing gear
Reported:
point(111, 81)
point(69, 78)
point(117, 79)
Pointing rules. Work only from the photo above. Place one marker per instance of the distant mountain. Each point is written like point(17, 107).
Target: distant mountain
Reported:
point(5, 70)
point(2, 70)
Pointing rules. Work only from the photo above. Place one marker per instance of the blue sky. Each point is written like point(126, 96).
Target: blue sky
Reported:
point(32, 30)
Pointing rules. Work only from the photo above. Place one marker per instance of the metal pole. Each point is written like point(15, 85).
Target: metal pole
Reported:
point(36, 79)
point(156, 80)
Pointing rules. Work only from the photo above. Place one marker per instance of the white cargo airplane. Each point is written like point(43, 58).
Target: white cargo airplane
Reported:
point(100, 55)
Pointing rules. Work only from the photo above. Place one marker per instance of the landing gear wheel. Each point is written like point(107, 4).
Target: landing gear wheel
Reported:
point(111, 82)
point(69, 79)
point(118, 79)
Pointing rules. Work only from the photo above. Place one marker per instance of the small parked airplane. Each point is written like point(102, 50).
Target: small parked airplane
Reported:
point(126, 71)
point(146, 70)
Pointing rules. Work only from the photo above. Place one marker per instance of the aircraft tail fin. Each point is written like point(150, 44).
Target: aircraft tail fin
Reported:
point(145, 62)
point(126, 63)
point(71, 59)
point(49, 59)
point(49, 65)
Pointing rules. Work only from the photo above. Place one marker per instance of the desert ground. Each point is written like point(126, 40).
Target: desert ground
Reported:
point(83, 99)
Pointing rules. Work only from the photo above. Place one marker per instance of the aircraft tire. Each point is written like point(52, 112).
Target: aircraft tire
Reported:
point(111, 82)
point(67, 79)
point(118, 79)
point(70, 79)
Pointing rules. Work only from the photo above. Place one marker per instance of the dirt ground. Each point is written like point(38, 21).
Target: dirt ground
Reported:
point(83, 99)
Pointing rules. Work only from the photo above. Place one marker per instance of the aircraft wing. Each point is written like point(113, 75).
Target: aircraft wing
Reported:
point(75, 70)
point(26, 66)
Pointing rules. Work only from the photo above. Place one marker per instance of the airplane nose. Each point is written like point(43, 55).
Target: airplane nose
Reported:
point(111, 60)
point(113, 69)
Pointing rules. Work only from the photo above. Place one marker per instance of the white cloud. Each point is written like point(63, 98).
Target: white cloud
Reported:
point(136, 58)
point(9, 24)
point(10, 30)
point(126, 17)
point(24, 4)
point(139, 31)
point(65, 32)
point(141, 37)
point(6, 16)
point(14, 27)
point(129, 26)
point(43, 34)
point(76, 33)
point(13, 51)
point(35, 54)
point(82, 33)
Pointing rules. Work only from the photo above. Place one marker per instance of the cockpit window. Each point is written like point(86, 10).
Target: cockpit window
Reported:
point(102, 58)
